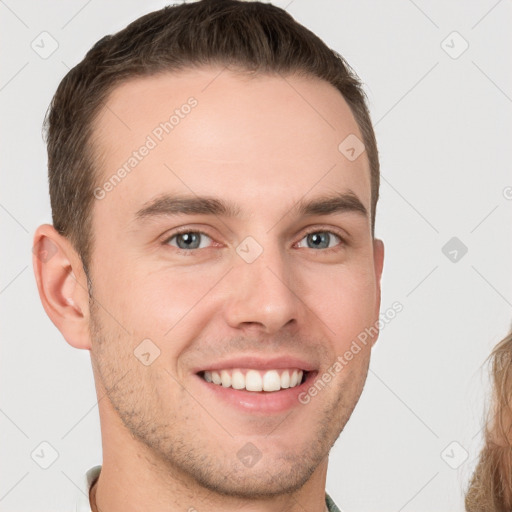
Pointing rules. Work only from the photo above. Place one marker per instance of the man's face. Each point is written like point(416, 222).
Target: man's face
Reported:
point(269, 283)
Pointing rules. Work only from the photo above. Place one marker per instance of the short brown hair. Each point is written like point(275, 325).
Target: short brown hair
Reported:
point(251, 36)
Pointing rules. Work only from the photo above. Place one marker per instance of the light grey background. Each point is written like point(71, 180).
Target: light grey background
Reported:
point(444, 129)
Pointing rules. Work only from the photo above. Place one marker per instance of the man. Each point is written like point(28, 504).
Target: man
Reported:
point(213, 180)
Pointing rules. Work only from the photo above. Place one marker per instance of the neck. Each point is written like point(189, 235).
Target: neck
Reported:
point(293, 503)
point(132, 489)
point(132, 480)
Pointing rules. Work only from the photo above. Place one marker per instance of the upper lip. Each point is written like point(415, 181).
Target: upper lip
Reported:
point(258, 363)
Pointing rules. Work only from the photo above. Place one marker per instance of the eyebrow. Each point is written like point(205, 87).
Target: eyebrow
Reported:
point(331, 204)
point(167, 205)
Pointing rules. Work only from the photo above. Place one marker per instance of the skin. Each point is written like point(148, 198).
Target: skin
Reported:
point(257, 143)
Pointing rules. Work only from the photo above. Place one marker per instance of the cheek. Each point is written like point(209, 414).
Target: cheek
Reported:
point(161, 303)
point(344, 299)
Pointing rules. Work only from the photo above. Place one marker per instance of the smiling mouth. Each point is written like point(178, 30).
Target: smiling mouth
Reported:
point(247, 379)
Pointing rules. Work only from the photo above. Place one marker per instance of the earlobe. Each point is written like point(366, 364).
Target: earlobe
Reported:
point(62, 285)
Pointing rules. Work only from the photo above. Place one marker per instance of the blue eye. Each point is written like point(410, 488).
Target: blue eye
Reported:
point(321, 240)
point(189, 240)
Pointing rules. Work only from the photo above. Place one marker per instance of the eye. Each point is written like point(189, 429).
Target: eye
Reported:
point(320, 240)
point(189, 240)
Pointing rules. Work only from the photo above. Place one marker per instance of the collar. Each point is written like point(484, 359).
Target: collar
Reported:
point(82, 503)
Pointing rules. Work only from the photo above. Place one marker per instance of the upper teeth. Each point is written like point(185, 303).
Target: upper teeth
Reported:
point(254, 380)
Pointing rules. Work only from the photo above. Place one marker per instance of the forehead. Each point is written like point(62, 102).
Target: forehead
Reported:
point(252, 140)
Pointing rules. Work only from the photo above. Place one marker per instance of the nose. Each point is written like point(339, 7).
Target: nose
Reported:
point(261, 296)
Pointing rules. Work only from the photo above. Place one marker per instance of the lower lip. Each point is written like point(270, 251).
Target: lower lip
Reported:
point(259, 402)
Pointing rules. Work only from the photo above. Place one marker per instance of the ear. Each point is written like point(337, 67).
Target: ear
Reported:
point(378, 264)
point(62, 285)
